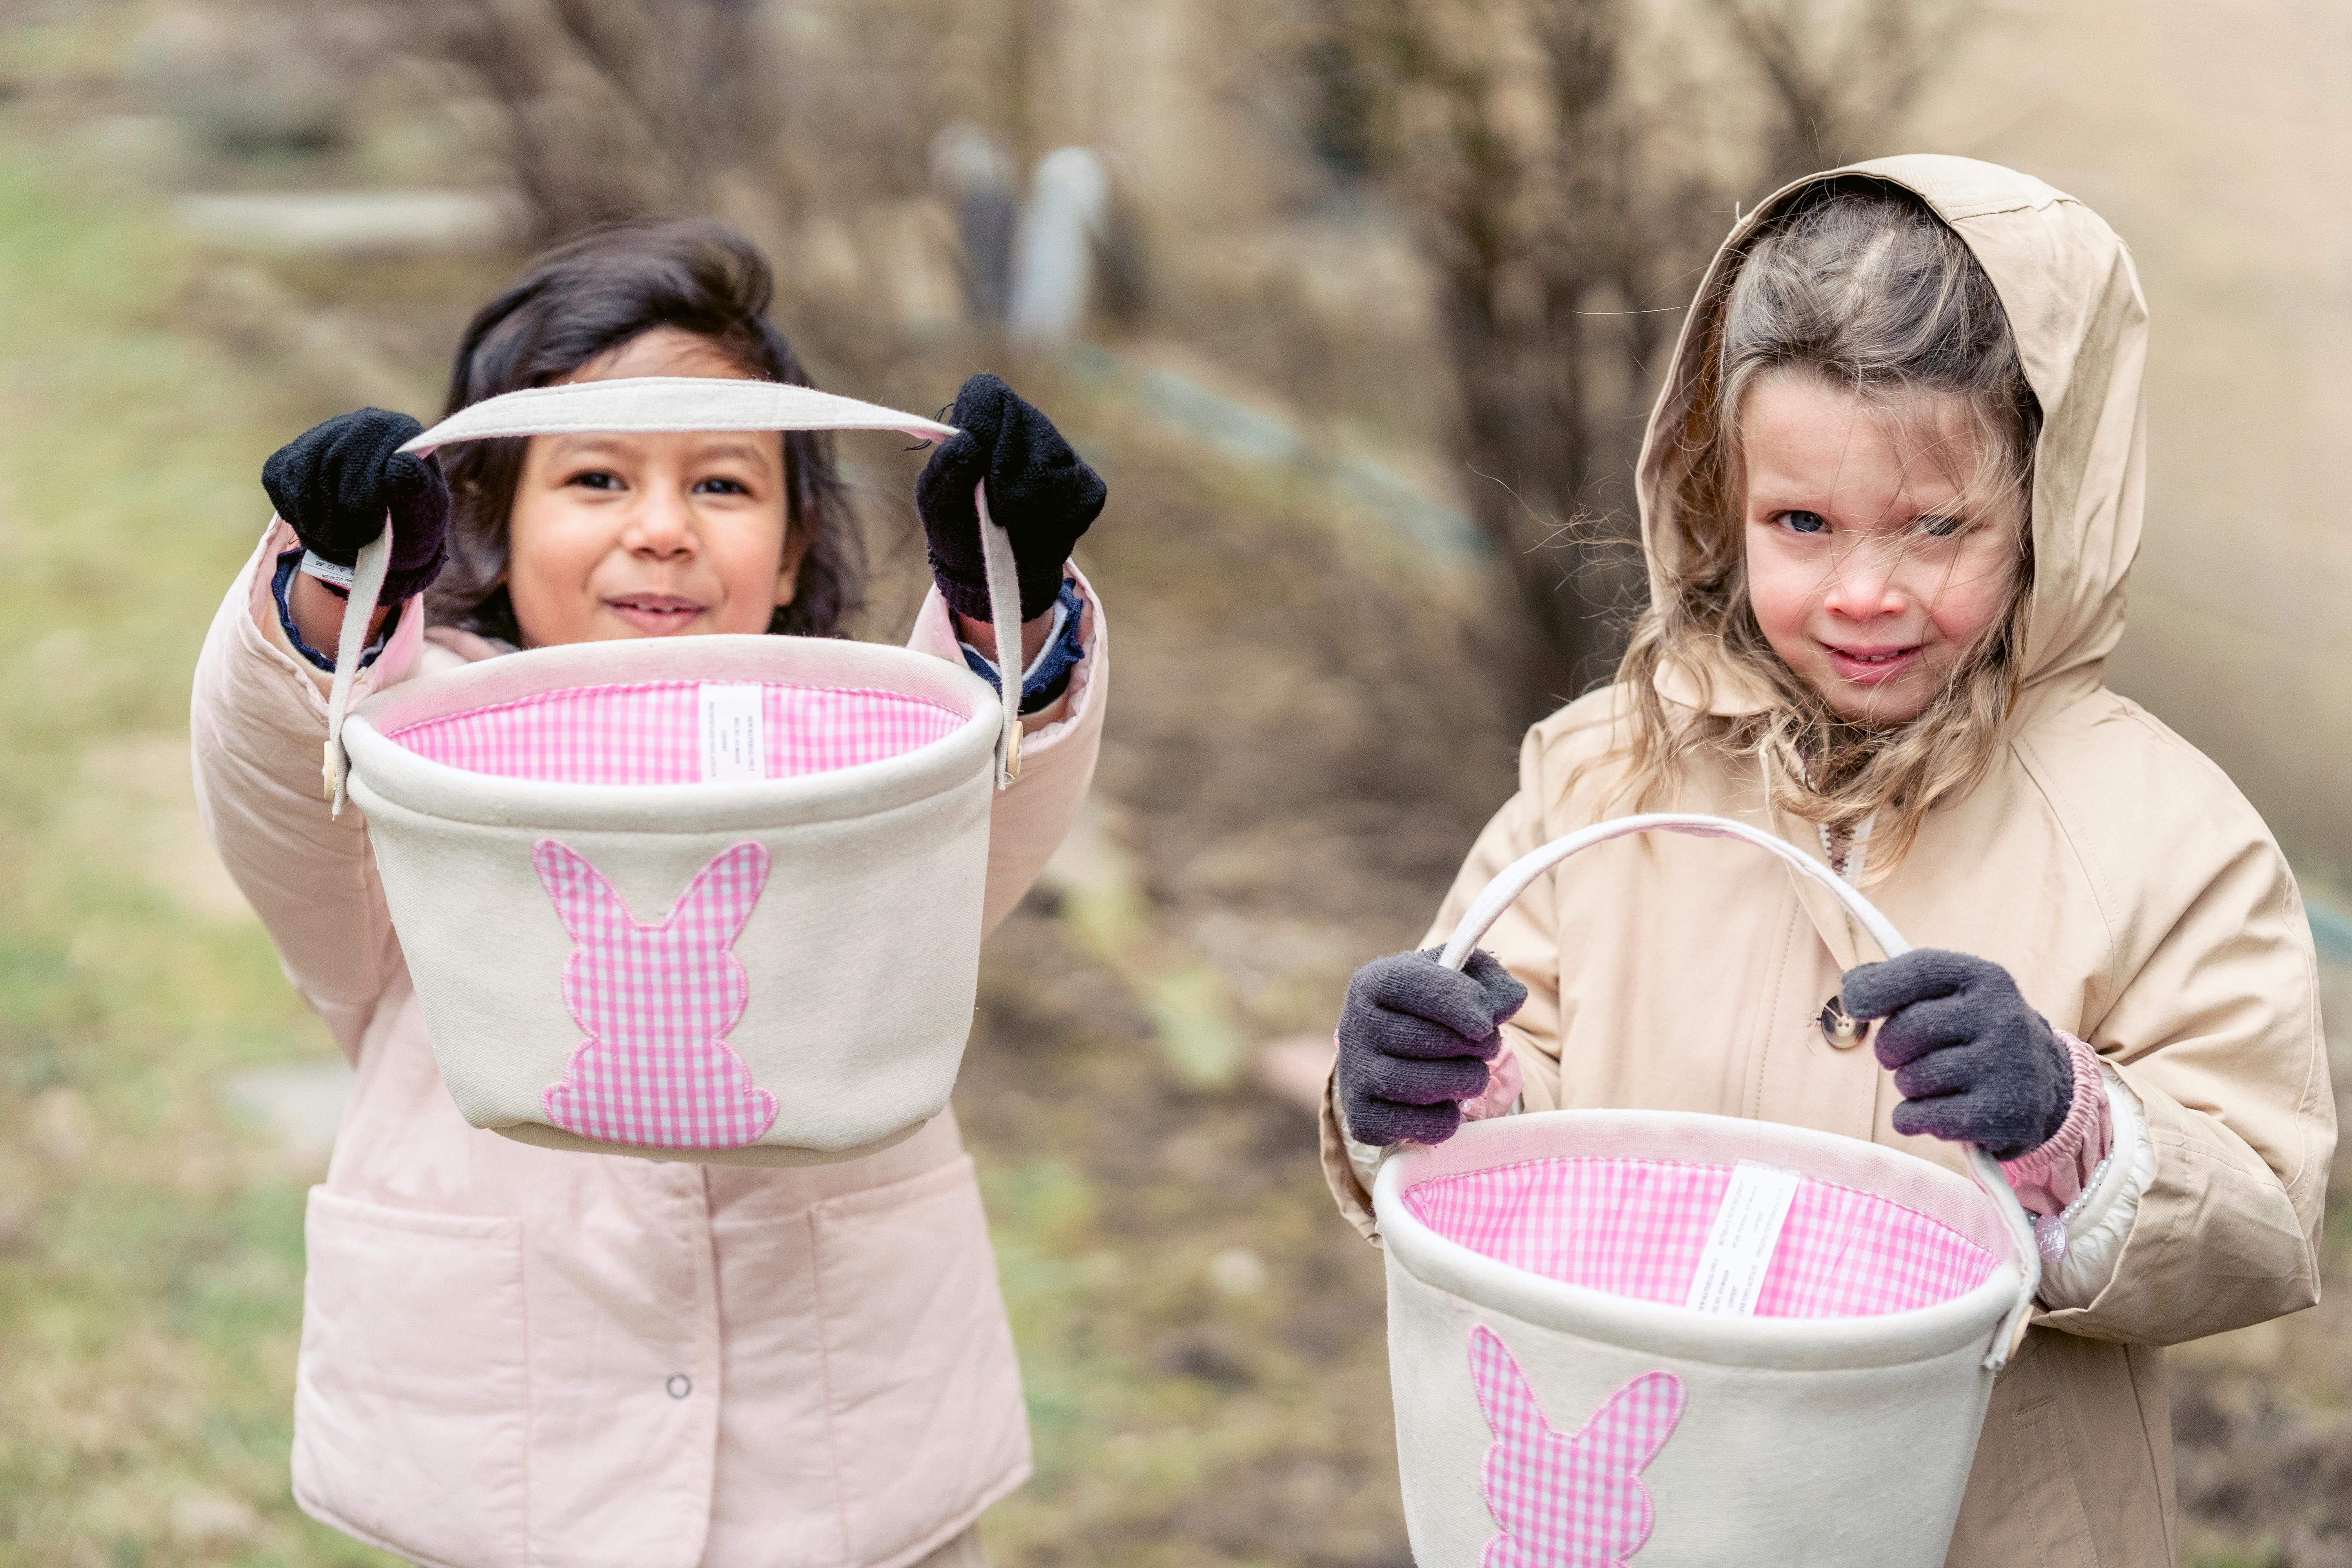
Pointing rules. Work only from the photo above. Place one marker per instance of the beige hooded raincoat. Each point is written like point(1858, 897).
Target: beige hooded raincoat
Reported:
point(2115, 871)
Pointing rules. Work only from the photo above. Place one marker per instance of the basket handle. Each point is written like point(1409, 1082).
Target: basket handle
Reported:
point(672, 403)
point(1516, 878)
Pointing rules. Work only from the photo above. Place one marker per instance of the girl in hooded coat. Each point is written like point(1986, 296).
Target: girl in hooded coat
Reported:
point(1890, 496)
point(514, 1355)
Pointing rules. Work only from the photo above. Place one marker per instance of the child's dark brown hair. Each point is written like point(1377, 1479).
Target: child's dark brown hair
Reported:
point(588, 297)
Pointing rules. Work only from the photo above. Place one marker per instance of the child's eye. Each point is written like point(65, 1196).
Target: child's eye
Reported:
point(596, 479)
point(720, 487)
point(1804, 521)
point(1940, 527)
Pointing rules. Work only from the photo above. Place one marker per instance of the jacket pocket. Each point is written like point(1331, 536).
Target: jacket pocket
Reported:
point(2040, 1446)
point(923, 1395)
point(411, 1395)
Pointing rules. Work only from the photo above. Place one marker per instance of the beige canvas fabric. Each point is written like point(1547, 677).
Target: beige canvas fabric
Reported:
point(2117, 873)
point(512, 1355)
point(861, 956)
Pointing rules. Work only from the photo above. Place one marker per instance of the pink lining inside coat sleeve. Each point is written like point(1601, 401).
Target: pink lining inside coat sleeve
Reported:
point(2055, 1174)
point(1505, 1083)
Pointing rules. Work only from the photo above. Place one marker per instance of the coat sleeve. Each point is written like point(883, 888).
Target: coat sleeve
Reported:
point(2216, 1031)
point(1526, 939)
point(1058, 749)
point(257, 723)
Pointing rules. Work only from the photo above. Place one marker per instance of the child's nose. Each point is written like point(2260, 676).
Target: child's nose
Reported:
point(662, 526)
point(1867, 584)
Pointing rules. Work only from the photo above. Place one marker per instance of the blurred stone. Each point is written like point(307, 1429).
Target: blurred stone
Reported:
point(1066, 220)
point(1293, 1067)
point(299, 1104)
point(204, 1520)
point(1237, 1272)
point(356, 222)
point(972, 171)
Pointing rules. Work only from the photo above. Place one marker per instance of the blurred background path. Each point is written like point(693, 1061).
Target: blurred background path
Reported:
point(220, 222)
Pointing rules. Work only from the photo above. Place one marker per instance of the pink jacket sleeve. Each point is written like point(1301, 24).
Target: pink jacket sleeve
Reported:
point(257, 720)
point(1058, 750)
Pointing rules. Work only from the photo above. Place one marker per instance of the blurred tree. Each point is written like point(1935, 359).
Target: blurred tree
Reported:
point(611, 108)
point(1569, 175)
point(1839, 73)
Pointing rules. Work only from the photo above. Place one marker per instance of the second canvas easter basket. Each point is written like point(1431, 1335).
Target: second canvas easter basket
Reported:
point(702, 898)
point(1660, 1340)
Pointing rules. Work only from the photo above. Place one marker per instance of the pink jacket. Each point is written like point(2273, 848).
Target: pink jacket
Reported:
point(515, 1356)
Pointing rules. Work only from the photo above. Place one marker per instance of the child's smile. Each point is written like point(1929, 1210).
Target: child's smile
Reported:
point(656, 615)
point(656, 534)
point(1871, 570)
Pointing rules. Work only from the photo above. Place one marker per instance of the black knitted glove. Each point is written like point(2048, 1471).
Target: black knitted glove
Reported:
point(1975, 1064)
point(1038, 491)
point(333, 483)
point(1414, 1041)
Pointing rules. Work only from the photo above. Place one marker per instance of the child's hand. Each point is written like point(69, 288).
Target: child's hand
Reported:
point(1414, 1041)
point(1038, 491)
point(1975, 1064)
point(335, 482)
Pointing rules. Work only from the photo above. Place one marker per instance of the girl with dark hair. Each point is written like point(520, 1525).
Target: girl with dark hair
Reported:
point(515, 1356)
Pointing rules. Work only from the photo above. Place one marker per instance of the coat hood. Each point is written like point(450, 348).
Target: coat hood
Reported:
point(2081, 324)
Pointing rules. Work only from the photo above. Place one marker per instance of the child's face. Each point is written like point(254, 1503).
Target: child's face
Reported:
point(649, 535)
point(1867, 575)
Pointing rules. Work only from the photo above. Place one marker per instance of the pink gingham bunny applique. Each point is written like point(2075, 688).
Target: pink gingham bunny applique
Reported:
point(656, 1001)
point(1567, 1501)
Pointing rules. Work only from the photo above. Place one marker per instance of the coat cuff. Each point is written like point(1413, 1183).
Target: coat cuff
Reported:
point(2083, 1243)
point(2056, 1172)
point(1351, 1185)
point(393, 664)
point(934, 633)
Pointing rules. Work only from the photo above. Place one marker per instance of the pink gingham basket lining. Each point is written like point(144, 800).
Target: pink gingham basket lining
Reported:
point(648, 732)
point(1634, 1227)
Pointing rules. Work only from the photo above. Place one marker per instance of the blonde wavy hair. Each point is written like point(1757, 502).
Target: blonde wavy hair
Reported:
point(1857, 283)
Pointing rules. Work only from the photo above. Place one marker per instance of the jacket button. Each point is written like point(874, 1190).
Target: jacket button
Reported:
point(679, 1386)
point(1840, 1028)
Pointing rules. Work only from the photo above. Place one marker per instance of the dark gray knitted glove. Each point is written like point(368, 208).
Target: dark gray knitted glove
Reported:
point(1975, 1064)
point(1038, 492)
point(335, 482)
point(1414, 1041)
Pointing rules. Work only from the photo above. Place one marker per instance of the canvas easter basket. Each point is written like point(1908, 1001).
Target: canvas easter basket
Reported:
point(698, 898)
point(1562, 1403)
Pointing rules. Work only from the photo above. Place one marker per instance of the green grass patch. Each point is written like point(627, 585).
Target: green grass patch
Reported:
point(151, 1250)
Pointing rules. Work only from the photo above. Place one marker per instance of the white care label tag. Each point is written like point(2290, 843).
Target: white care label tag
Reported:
point(734, 733)
point(1740, 1243)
